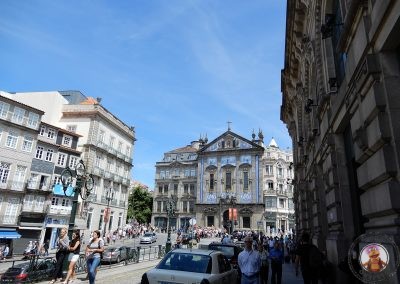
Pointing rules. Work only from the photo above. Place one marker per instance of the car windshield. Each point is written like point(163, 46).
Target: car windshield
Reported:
point(186, 262)
point(227, 251)
point(148, 235)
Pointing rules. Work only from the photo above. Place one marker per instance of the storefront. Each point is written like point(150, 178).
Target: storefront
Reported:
point(7, 237)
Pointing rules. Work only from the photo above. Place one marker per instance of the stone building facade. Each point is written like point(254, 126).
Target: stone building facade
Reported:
point(277, 167)
point(340, 86)
point(206, 179)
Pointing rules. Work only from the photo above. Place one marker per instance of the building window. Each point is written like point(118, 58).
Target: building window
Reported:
point(101, 135)
point(175, 189)
point(270, 202)
point(71, 128)
point(165, 188)
point(33, 119)
point(67, 140)
point(112, 140)
point(269, 170)
point(228, 181)
point(280, 172)
point(72, 162)
point(89, 220)
point(128, 151)
point(11, 212)
point(281, 203)
point(211, 181)
point(245, 180)
point(4, 172)
point(270, 185)
point(291, 204)
point(186, 188)
point(187, 172)
point(51, 133)
point(193, 172)
point(119, 146)
point(191, 206)
point(164, 206)
point(54, 201)
point(42, 130)
point(39, 152)
point(246, 222)
point(97, 161)
point(19, 177)
point(158, 206)
point(160, 189)
point(61, 159)
point(49, 155)
point(27, 144)
point(18, 115)
point(4, 107)
point(12, 139)
point(191, 189)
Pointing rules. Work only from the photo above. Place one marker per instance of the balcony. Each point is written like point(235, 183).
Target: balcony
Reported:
point(60, 210)
point(117, 178)
point(98, 171)
point(24, 122)
point(33, 209)
point(114, 202)
point(122, 203)
point(107, 174)
point(13, 185)
point(126, 181)
point(36, 185)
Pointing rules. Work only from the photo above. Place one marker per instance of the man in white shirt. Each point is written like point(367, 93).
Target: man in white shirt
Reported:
point(249, 263)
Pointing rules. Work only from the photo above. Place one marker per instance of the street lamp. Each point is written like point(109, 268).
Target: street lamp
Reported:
point(170, 213)
point(84, 184)
point(109, 197)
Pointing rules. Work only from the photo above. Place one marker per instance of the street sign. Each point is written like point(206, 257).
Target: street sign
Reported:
point(192, 222)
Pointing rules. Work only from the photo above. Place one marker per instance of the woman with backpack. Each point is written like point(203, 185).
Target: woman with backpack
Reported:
point(94, 250)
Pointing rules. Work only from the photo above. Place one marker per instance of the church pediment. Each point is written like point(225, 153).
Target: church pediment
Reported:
point(230, 141)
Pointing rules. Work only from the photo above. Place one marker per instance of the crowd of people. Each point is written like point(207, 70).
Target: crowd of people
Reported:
point(262, 254)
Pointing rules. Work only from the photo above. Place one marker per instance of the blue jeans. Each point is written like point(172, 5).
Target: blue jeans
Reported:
point(92, 263)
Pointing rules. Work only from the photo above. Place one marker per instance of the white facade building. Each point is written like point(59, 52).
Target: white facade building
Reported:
point(106, 145)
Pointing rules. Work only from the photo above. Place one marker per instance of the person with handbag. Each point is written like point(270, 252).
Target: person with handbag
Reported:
point(264, 269)
point(61, 254)
point(93, 255)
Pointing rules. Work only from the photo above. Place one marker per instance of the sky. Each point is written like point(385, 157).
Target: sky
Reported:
point(175, 70)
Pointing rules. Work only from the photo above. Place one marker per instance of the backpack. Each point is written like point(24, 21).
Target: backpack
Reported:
point(315, 260)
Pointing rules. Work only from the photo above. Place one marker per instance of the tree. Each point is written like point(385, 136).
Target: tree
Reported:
point(140, 204)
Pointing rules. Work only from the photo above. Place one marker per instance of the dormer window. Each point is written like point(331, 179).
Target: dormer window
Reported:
point(67, 140)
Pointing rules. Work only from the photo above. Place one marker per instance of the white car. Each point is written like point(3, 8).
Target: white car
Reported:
point(192, 266)
point(148, 238)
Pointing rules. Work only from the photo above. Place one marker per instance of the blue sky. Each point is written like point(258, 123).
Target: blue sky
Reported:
point(173, 69)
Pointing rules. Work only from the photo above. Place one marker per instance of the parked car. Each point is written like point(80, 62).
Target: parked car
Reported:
point(26, 272)
point(231, 251)
point(192, 266)
point(148, 238)
point(114, 254)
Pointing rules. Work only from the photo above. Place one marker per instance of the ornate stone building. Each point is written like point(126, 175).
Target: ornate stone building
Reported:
point(230, 176)
point(277, 167)
point(340, 86)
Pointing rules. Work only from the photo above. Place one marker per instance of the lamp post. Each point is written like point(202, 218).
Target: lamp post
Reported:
point(84, 184)
point(170, 213)
point(109, 198)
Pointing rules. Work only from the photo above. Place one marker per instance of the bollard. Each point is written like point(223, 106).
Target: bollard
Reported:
point(138, 254)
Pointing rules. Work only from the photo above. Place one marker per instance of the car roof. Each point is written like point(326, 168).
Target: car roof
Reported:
point(222, 244)
point(196, 251)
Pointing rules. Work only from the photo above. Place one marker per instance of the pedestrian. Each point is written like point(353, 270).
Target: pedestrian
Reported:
point(264, 269)
point(62, 251)
point(74, 250)
point(6, 251)
point(276, 257)
point(46, 247)
point(114, 237)
point(306, 255)
point(249, 263)
point(93, 255)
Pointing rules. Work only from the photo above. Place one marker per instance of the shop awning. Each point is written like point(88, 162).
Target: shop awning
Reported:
point(9, 235)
